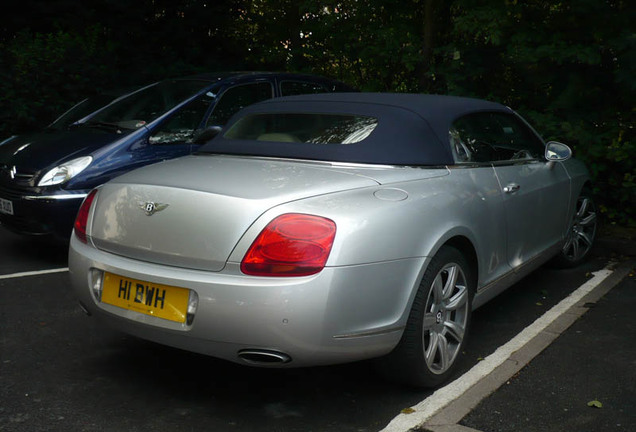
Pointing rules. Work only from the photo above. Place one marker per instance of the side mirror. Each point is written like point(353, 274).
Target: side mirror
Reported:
point(205, 135)
point(557, 152)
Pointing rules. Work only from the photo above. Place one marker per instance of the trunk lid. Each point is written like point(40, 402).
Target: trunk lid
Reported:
point(191, 212)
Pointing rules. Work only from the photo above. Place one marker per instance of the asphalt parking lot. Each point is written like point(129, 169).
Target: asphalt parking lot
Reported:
point(585, 380)
point(61, 370)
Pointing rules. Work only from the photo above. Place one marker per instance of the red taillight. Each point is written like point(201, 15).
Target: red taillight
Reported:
point(291, 245)
point(82, 216)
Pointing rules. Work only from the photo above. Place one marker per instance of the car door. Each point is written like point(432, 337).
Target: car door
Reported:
point(174, 136)
point(535, 192)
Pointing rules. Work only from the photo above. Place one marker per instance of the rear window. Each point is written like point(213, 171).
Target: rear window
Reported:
point(300, 127)
point(303, 128)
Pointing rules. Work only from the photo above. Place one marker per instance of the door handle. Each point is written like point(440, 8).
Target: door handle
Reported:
point(511, 188)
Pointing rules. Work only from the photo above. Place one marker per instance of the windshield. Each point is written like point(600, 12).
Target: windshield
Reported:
point(146, 105)
point(81, 110)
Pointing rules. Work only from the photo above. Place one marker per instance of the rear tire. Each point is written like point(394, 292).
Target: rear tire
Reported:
point(436, 330)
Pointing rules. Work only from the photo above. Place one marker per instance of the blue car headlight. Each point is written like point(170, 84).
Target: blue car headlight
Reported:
point(66, 171)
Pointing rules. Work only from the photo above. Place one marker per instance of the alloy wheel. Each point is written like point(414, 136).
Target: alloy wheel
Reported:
point(445, 318)
point(580, 237)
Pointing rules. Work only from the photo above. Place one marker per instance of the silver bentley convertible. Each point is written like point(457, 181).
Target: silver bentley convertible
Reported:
point(332, 228)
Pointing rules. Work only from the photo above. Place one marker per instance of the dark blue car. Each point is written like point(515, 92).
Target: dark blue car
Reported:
point(45, 176)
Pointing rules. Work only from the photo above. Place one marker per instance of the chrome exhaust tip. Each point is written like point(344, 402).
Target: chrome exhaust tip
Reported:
point(261, 357)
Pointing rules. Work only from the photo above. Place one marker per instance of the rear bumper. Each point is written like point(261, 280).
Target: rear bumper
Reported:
point(340, 315)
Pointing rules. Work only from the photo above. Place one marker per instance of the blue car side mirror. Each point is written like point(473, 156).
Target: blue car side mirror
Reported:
point(205, 135)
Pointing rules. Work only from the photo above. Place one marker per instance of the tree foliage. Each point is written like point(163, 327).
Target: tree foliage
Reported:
point(569, 67)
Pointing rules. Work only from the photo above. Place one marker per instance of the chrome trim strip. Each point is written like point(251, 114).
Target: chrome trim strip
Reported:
point(324, 162)
point(510, 162)
point(370, 333)
point(55, 197)
point(494, 164)
point(307, 161)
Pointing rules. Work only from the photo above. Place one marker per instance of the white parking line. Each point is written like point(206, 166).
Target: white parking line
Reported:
point(424, 410)
point(33, 273)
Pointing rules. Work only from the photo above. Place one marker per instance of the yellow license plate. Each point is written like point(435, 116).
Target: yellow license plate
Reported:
point(158, 300)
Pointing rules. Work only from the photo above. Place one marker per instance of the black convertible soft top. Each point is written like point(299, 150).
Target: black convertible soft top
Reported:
point(412, 129)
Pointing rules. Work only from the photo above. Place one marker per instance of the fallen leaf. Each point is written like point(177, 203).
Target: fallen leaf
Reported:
point(539, 304)
point(408, 411)
point(595, 404)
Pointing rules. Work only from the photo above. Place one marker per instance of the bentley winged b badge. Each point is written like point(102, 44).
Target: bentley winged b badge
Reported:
point(152, 207)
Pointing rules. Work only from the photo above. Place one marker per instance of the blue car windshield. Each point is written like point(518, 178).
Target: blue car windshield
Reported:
point(81, 110)
point(144, 106)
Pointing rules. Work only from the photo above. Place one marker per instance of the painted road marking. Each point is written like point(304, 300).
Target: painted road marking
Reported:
point(33, 273)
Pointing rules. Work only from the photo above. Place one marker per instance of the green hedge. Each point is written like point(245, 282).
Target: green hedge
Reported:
point(570, 73)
